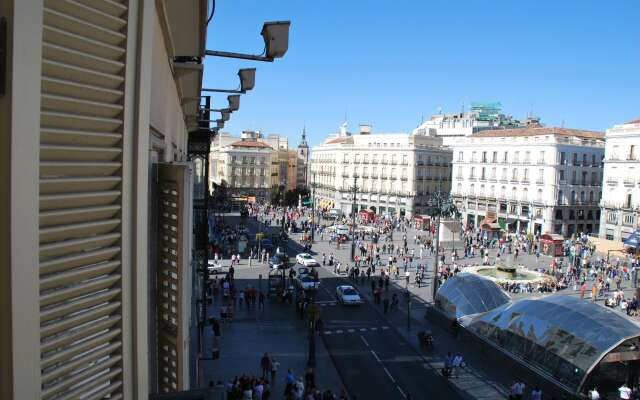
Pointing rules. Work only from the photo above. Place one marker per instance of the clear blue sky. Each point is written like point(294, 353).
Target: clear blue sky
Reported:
point(388, 63)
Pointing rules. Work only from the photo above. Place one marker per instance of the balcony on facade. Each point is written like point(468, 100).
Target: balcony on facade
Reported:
point(539, 181)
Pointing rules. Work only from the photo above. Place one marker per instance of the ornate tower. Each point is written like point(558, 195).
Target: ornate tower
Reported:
point(303, 160)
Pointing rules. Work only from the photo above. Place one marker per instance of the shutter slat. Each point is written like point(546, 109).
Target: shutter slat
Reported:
point(56, 296)
point(75, 260)
point(71, 231)
point(67, 354)
point(77, 168)
point(79, 137)
point(52, 390)
point(83, 28)
point(87, 13)
point(81, 43)
point(77, 215)
point(73, 335)
point(99, 381)
point(78, 275)
point(86, 359)
point(80, 90)
point(76, 106)
point(73, 246)
point(61, 70)
point(86, 304)
point(50, 152)
point(67, 200)
point(81, 59)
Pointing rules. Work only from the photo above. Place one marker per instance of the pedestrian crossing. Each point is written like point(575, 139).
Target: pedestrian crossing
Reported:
point(355, 330)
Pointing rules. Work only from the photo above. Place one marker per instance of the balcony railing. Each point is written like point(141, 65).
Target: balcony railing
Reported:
point(629, 182)
point(525, 181)
point(539, 182)
point(404, 178)
point(514, 180)
point(612, 181)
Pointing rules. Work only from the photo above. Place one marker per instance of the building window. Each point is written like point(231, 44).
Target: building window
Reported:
point(505, 157)
point(575, 159)
point(494, 157)
point(460, 156)
point(484, 156)
point(632, 152)
point(473, 172)
point(563, 158)
point(612, 217)
point(561, 175)
point(472, 190)
point(558, 213)
point(560, 197)
point(628, 219)
point(628, 201)
point(516, 157)
point(473, 156)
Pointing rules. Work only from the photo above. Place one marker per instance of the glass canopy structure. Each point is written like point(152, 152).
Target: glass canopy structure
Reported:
point(575, 343)
point(467, 294)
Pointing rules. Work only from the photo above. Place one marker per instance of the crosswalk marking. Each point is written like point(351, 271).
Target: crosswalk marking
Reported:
point(354, 330)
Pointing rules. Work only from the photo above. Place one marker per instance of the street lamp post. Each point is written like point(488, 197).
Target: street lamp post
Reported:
point(354, 189)
point(313, 208)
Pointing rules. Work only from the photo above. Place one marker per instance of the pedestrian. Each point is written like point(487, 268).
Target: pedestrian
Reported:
point(261, 300)
point(274, 370)
point(536, 393)
point(448, 365)
point(265, 365)
point(456, 364)
point(624, 392)
point(385, 304)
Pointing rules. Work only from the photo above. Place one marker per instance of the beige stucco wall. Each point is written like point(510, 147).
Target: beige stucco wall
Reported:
point(166, 111)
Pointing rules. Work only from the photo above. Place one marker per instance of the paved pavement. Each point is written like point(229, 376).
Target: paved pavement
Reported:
point(370, 353)
point(276, 330)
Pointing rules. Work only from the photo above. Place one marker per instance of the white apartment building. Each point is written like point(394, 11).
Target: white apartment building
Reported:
point(539, 179)
point(244, 164)
point(621, 199)
point(394, 172)
point(482, 116)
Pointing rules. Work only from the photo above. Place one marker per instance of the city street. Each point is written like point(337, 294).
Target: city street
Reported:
point(371, 358)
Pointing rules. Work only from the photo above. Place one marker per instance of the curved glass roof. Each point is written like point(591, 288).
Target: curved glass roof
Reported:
point(466, 294)
point(562, 335)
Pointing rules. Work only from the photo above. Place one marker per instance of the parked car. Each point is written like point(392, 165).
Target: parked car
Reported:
point(306, 260)
point(347, 295)
point(307, 282)
point(278, 261)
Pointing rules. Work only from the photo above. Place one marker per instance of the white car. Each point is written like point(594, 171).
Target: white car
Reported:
point(306, 259)
point(214, 268)
point(347, 295)
point(307, 282)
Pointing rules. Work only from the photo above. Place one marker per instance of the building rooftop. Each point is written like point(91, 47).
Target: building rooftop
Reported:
point(635, 121)
point(540, 131)
point(250, 143)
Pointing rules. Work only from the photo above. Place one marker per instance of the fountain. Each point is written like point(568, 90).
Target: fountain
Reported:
point(508, 272)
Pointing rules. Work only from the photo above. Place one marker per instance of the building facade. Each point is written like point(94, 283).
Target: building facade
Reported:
point(482, 116)
point(394, 173)
point(620, 203)
point(246, 165)
point(94, 299)
point(531, 180)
